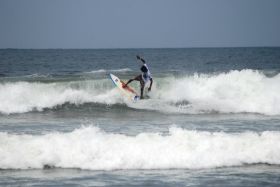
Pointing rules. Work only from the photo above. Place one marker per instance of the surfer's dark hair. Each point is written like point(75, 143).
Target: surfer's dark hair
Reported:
point(144, 69)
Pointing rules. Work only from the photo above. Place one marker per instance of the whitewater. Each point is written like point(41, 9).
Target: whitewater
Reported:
point(245, 91)
point(94, 149)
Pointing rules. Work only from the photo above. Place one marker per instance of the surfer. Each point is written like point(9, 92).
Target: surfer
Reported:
point(143, 78)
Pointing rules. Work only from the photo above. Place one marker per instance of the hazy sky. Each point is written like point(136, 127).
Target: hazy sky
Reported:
point(138, 23)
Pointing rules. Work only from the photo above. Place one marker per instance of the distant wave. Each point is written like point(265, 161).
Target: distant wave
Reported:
point(245, 91)
point(31, 76)
point(91, 148)
point(110, 70)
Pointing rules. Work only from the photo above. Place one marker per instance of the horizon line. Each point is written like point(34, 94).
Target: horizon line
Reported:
point(115, 48)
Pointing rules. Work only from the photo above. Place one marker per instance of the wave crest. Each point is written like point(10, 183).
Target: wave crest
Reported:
point(92, 148)
point(23, 97)
point(245, 91)
point(233, 92)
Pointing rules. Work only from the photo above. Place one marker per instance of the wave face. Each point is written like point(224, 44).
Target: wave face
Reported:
point(23, 97)
point(233, 92)
point(91, 148)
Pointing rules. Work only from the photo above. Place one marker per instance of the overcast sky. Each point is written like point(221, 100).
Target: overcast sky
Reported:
point(138, 23)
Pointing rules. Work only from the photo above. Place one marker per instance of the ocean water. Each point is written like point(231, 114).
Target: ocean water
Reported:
point(211, 119)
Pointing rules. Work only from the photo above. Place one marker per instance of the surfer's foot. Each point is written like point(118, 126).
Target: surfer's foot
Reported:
point(141, 97)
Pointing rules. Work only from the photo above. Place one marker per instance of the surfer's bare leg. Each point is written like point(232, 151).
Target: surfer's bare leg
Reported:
point(142, 84)
point(137, 78)
point(130, 80)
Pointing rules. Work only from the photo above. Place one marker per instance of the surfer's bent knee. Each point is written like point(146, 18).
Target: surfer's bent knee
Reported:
point(138, 78)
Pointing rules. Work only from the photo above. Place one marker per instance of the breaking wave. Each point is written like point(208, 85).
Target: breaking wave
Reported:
point(245, 91)
point(94, 149)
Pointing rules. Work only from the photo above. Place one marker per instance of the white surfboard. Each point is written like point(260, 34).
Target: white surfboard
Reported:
point(126, 91)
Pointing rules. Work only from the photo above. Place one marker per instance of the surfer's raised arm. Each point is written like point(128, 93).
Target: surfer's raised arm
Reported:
point(139, 58)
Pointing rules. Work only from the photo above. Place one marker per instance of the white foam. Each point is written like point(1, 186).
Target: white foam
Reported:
point(91, 148)
point(110, 70)
point(22, 97)
point(233, 92)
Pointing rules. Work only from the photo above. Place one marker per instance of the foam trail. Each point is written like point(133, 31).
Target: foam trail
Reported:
point(91, 148)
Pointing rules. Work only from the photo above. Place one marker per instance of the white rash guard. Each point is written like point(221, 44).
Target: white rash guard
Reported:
point(146, 76)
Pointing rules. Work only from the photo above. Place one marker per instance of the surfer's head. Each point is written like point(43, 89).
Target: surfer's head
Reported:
point(144, 69)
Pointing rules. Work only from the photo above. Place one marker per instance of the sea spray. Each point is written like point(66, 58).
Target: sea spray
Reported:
point(233, 92)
